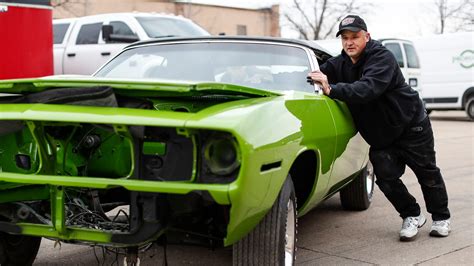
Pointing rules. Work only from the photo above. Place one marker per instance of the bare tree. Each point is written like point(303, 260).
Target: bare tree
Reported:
point(75, 8)
point(458, 12)
point(317, 19)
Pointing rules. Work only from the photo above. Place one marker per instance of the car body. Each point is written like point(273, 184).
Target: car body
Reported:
point(180, 139)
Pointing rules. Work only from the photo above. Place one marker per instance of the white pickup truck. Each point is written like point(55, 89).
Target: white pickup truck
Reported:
point(82, 45)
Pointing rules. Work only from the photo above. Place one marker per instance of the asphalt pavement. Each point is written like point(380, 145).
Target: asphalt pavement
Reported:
point(328, 235)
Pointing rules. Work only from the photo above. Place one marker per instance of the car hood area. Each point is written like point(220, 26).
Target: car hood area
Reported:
point(148, 103)
point(132, 87)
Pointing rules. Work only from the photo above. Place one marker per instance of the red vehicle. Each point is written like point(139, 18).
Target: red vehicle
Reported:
point(26, 39)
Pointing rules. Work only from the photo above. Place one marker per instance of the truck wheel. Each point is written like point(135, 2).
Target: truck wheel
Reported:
point(18, 250)
point(273, 240)
point(357, 195)
point(470, 108)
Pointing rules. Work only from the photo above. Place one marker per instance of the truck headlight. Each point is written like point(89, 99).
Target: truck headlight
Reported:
point(221, 155)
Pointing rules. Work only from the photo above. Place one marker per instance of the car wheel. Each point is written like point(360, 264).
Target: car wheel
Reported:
point(18, 250)
point(470, 108)
point(357, 195)
point(273, 240)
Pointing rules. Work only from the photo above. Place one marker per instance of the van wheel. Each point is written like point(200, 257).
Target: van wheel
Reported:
point(273, 240)
point(357, 195)
point(18, 249)
point(470, 108)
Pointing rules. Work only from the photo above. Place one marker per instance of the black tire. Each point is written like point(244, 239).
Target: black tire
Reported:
point(357, 195)
point(265, 244)
point(470, 108)
point(18, 250)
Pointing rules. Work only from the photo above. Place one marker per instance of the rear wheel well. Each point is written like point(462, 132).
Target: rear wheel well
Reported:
point(467, 94)
point(303, 175)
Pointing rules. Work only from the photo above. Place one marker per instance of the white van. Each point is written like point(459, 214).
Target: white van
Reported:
point(403, 50)
point(448, 71)
point(407, 58)
point(80, 46)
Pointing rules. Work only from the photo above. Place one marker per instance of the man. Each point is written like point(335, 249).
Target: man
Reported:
point(390, 116)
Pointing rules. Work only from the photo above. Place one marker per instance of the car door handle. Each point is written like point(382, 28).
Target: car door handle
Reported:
point(71, 54)
point(105, 53)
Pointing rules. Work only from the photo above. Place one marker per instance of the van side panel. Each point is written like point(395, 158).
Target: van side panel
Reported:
point(447, 62)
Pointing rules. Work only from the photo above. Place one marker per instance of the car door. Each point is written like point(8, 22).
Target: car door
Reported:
point(82, 55)
point(109, 49)
point(61, 33)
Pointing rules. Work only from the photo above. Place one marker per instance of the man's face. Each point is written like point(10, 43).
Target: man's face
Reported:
point(354, 43)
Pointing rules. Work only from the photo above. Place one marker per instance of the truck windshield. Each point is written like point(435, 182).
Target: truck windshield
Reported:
point(157, 27)
point(265, 66)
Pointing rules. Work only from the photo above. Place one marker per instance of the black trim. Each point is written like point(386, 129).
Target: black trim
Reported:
point(9, 228)
point(441, 100)
point(28, 2)
point(467, 94)
point(309, 44)
point(270, 166)
point(145, 232)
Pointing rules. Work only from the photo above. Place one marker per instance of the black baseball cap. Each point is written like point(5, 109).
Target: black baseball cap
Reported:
point(352, 23)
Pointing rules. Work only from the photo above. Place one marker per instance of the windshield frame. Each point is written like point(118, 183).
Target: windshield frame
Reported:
point(311, 56)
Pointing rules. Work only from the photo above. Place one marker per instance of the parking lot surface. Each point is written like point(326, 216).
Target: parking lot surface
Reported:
point(329, 235)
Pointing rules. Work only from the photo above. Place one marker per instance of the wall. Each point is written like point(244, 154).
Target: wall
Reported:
point(213, 18)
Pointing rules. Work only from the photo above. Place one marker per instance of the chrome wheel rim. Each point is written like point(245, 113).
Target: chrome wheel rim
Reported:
point(290, 232)
point(370, 178)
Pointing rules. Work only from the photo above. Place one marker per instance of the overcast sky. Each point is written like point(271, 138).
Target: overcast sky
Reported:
point(388, 18)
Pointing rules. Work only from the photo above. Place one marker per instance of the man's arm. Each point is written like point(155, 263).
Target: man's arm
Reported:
point(322, 77)
point(375, 79)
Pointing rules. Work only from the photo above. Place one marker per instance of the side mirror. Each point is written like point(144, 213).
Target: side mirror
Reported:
point(107, 31)
point(108, 36)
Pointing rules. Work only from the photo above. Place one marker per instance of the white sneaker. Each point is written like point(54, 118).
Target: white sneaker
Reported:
point(440, 228)
point(410, 227)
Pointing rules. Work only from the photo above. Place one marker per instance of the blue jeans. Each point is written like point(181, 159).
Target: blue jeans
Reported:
point(415, 149)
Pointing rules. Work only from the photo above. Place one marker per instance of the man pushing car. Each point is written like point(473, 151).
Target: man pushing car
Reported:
point(391, 117)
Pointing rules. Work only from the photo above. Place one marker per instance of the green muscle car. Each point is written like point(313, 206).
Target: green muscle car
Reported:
point(209, 139)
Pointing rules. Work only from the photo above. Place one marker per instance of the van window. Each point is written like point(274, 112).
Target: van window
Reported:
point(59, 31)
point(89, 33)
point(396, 51)
point(412, 57)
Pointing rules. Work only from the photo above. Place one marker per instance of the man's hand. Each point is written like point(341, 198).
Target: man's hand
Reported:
point(321, 79)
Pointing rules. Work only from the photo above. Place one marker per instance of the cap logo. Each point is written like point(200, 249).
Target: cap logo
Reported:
point(347, 21)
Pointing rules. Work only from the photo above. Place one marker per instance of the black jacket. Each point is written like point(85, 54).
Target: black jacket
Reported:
point(381, 103)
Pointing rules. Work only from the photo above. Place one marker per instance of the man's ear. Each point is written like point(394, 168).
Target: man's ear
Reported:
point(367, 37)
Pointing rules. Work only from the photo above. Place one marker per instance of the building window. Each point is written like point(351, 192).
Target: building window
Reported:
point(241, 30)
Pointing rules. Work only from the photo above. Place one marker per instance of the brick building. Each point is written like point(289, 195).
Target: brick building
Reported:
point(214, 18)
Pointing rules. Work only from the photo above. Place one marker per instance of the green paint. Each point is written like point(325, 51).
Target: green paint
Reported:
point(24, 193)
point(268, 127)
point(88, 235)
point(154, 148)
